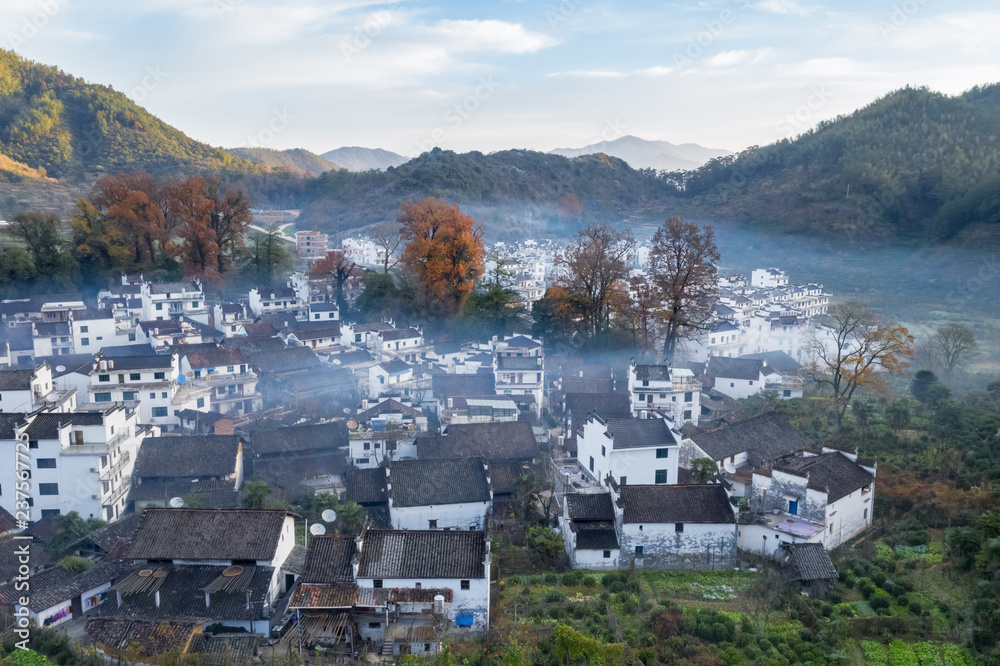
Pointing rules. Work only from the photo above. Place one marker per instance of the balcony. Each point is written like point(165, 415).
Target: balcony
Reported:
point(123, 460)
point(120, 492)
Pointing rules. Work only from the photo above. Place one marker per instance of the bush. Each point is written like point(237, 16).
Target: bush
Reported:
point(590, 581)
point(928, 654)
point(875, 654)
point(554, 597)
point(76, 565)
point(572, 578)
point(901, 654)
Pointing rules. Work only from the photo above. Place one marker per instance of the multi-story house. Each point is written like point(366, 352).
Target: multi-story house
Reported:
point(79, 461)
point(630, 451)
point(384, 431)
point(92, 329)
point(172, 300)
point(228, 376)
point(672, 391)
point(30, 390)
point(278, 300)
point(310, 244)
point(519, 368)
point(52, 338)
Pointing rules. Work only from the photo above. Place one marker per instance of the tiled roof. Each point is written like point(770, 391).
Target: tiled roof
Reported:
point(134, 349)
point(107, 536)
point(8, 421)
point(602, 385)
point(324, 595)
point(210, 493)
point(395, 366)
point(676, 504)
point(67, 363)
point(148, 362)
point(50, 587)
point(174, 288)
point(53, 328)
point(327, 330)
point(584, 507)
point(638, 433)
point(426, 482)
point(289, 472)
point(207, 534)
point(505, 440)
point(466, 386)
point(152, 636)
point(399, 334)
point(9, 558)
point(329, 560)
point(292, 439)
point(809, 561)
point(387, 406)
point(366, 486)
point(283, 360)
point(7, 521)
point(419, 554)
point(296, 561)
point(187, 456)
point(596, 538)
point(43, 581)
point(776, 360)
point(765, 437)
point(504, 475)
point(224, 649)
point(46, 424)
point(182, 596)
point(833, 471)
point(522, 342)
point(16, 380)
point(652, 373)
point(216, 358)
point(734, 368)
point(606, 405)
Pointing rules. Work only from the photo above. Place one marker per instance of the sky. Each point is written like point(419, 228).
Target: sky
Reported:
point(499, 74)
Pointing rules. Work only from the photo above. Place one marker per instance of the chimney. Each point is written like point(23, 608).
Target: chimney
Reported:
point(157, 597)
point(451, 403)
point(208, 603)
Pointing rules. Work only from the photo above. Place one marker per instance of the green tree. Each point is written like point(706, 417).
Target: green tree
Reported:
point(703, 470)
point(69, 528)
point(75, 564)
point(256, 494)
point(351, 517)
point(267, 259)
point(494, 307)
point(41, 237)
point(545, 544)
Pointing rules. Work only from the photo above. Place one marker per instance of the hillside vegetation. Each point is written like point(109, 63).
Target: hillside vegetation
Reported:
point(296, 160)
point(913, 164)
point(52, 121)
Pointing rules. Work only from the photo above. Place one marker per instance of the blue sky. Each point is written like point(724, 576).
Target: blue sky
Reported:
point(495, 74)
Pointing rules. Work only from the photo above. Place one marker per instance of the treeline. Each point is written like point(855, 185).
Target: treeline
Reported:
point(914, 164)
point(164, 228)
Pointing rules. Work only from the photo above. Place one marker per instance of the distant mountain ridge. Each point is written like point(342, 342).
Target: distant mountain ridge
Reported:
point(356, 158)
point(296, 160)
point(646, 154)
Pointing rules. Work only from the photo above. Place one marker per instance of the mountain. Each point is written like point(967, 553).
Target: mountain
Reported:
point(516, 193)
point(356, 158)
point(914, 164)
point(643, 154)
point(54, 122)
point(296, 160)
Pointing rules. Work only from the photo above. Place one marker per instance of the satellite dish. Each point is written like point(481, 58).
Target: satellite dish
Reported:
point(352, 425)
point(336, 361)
point(730, 467)
point(317, 529)
point(176, 502)
point(347, 410)
point(60, 368)
point(329, 515)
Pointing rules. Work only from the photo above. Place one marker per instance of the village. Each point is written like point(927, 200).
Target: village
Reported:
point(159, 413)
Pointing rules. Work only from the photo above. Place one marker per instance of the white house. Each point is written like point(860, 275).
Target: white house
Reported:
point(630, 451)
point(388, 377)
point(167, 300)
point(519, 368)
point(438, 494)
point(385, 430)
point(92, 329)
point(79, 461)
point(227, 375)
point(673, 391)
point(589, 531)
point(740, 377)
point(28, 390)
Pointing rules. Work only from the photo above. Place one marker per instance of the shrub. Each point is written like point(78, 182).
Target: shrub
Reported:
point(572, 578)
point(875, 654)
point(901, 654)
point(589, 581)
point(928, 654)
point(554, 597)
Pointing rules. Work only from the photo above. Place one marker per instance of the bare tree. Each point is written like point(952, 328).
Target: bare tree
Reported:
point(853, 348)
point(388, 238)
point(682, 268)
point(592, 268)
point(955, 343)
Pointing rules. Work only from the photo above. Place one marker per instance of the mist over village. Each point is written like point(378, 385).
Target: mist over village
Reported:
point(578, 333)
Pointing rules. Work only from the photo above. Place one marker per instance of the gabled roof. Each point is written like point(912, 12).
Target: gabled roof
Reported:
point(328, 560)
point(293, 439)
point(399, 334)
point(595, 536)
point(137, 349)
point(765, 437)
point(603, 385)
point(109, 535)
point(395, 367)
point(9, 558)
point(519, 363)
point(188, 456)
point(53, 328)
point(16, 380)
point(522, 342)
point(778, 361)
point(590, 507)
point(207, 534)
point(735, 368)
point(834, 471)
point(633, 433)
point(419, 554)
point(504, 475)
point(652, 373)
point(389, 406)
point(46, 424)
point(48, 590)
point(606, 405)
point(808, 561)
point(427, 482)
point(153, 637)
point(676, 504)
point(327, 330)
point(150, 362)
point(215, 358)
point(366, 486)
point(506, 440)
point(462, 386)
point(283, 360)
point(174, 288)
point(7, 521)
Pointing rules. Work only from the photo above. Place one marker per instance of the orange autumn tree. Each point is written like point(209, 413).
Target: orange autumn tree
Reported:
point(444, 252)
point(853, 348)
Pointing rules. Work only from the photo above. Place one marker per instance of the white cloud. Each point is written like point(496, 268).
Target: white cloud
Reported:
point(487, 35)
point(784, 7)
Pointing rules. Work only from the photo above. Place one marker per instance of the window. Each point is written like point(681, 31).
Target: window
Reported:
point(866, 514)
point(661, 476)
point(46, 463)
point(687, 414)
point(377, 583)
point(732, 384)
point(159, 306)
point(432, 524)
point(751, 382)
point(662, 453)
point(465, 585)
point(787, 393)
point(104, 378)
point(102, 397)
point(197, 374)
point(159, 411)
point(591, 463)
point(163, 395)
point(129, 395)
point(374, 625)
point(131, 337)
point(622, 480)
point(48, 488)
point(152, 396)
point(645, 382)
point(201, 402)
point(195, 304)
point(603, 451)
point(688, 396)
point(49, 512)
point(229, 369)
point(85, 329)
point(663, 396)
point(85, 342)
point(607, 554)
point(134, 376)
point(638, 550)
point(159, 375)
point(316, 316)
point(418, 586)
point(642, 397)
point(366, 446)
point(427, 647)
point(679, 528)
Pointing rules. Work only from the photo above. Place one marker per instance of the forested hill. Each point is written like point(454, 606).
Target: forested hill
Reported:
point(913, 164)
point(296, 160)
point(73, 129)
point(535, 191)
